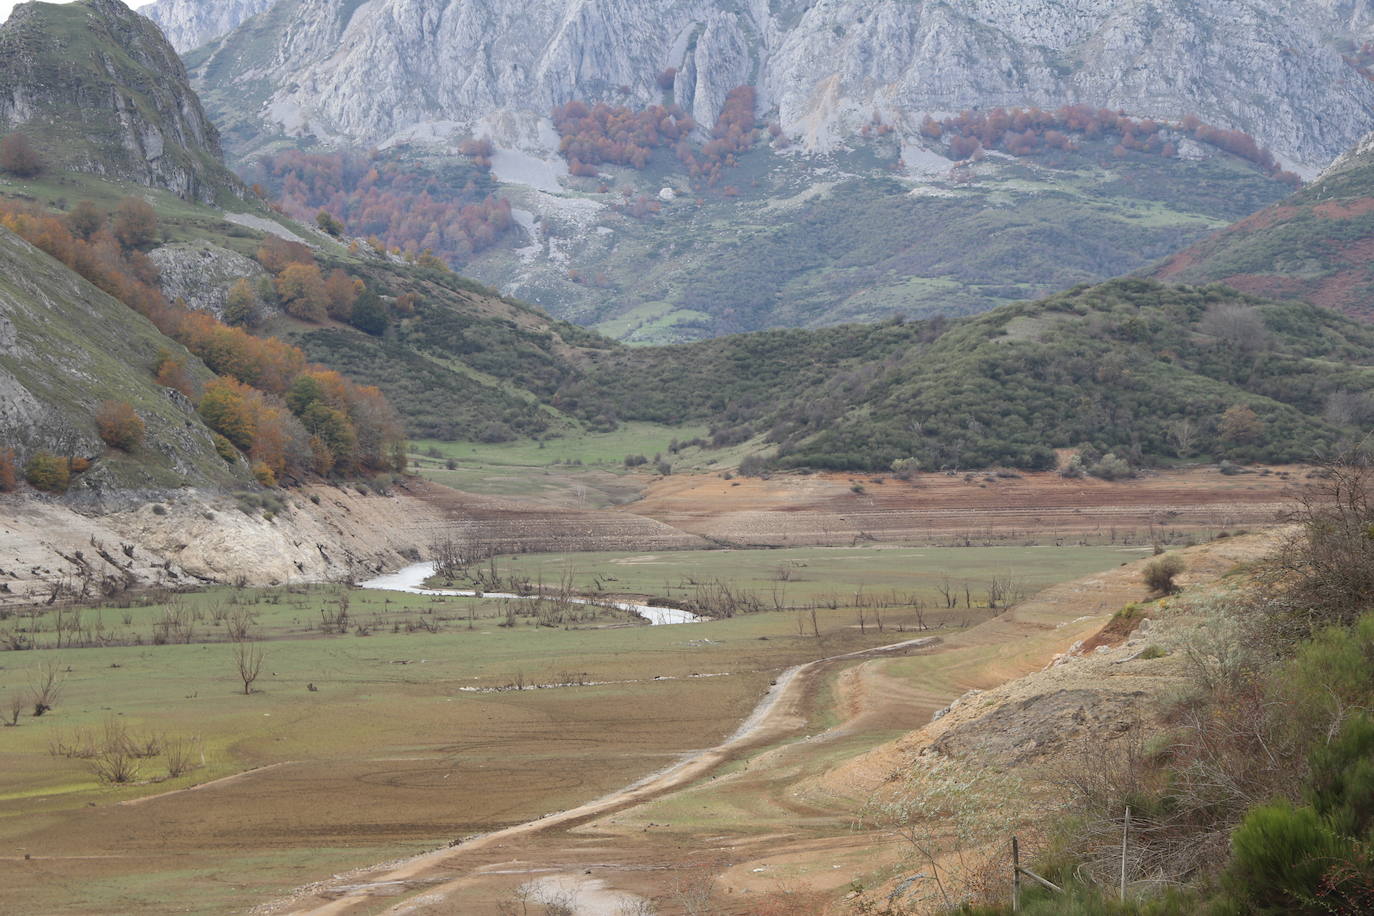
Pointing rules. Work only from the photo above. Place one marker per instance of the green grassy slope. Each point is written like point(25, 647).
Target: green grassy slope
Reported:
point(805, 241)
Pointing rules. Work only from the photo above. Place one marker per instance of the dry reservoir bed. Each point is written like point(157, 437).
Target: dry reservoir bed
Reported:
point(401, 728)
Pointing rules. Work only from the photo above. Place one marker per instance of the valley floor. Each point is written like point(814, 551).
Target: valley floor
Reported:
point(769, 821)
point(406, 734)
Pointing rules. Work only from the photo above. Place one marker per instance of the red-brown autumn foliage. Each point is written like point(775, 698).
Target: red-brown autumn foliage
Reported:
point(600, 133)
point(18, 157)
point(119, 425)
point(9, 475)
point(255, 373)
point(1027, 131)
point(405, 204)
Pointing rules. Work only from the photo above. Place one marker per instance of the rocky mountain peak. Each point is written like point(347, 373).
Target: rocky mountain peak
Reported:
point(1288, 72)
point(97, 88)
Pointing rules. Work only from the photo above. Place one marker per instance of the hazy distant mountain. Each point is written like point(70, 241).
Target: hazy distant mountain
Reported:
point(191, 23)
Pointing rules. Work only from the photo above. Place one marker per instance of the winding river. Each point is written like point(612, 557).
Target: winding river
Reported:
point(411, 578)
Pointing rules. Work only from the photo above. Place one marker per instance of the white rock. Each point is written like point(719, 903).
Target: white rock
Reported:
point(365, 73)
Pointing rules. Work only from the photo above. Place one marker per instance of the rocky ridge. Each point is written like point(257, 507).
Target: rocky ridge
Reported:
point(189, 24)
point(98, 89)
point(65, 347)
point(338, 70)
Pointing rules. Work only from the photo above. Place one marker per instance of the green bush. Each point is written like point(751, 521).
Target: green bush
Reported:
point(1279, 857)
point(48, 472)
point(1340, 787)
point(224, 448)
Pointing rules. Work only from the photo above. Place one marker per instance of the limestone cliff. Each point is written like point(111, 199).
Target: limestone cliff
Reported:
point(190, 23)
point(1283, 71)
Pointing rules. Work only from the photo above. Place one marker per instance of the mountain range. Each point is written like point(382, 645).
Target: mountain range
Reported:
point(851, 122)
point(1136, 368)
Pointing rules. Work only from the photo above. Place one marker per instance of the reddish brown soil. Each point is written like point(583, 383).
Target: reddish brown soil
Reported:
point(1040, 507)
point(513, 526)
point(1335, 209)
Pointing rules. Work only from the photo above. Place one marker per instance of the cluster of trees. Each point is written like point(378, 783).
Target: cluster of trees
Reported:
point(412, 207)
point(1027, 131)
point(304, 291)
point(1130, 373)
point(250, 404)
point(593, 134)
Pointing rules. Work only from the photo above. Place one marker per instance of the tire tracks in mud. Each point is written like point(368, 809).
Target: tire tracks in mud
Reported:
point(777, 715)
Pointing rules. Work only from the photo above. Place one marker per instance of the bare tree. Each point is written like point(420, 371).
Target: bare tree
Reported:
point(1324, 571)
point(448, 556)
point(1183, 433)
point(947, 592)
point(248, 658)
point(47, 687)
point(1238, 326)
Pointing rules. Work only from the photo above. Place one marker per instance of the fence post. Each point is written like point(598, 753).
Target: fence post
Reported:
point(1015, 875)
point(1125, 830)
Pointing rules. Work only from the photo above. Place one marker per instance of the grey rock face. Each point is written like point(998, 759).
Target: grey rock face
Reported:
point(98, 89)
point(200, 274)
point(189, 24)
point(364, 73)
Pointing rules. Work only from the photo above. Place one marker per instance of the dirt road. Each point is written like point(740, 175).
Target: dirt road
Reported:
point(778, 714)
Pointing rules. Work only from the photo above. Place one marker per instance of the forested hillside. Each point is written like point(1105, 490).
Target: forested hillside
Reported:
point(1146, 371)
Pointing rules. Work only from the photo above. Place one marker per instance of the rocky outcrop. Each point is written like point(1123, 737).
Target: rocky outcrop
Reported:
point(337, 69)
point(189, 23)
point(200, 274)
point(98, 89)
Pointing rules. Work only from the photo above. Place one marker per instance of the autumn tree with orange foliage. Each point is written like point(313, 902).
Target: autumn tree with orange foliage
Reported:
point(120, 425)
point(135, 223)
point(300, 287)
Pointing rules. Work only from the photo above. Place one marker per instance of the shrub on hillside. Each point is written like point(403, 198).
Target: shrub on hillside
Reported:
point(328, 223)
point(18, 157)
point(9, 478)
point(242, 307)
point(1160, 573)
point(48, 472)
point(1279, 858)
point(120, 426)
point(1110, 467)
point(135, 224)
point(1324, 573)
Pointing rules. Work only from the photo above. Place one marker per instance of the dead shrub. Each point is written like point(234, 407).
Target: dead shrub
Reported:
point(1159, 574)
point(182, 755)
